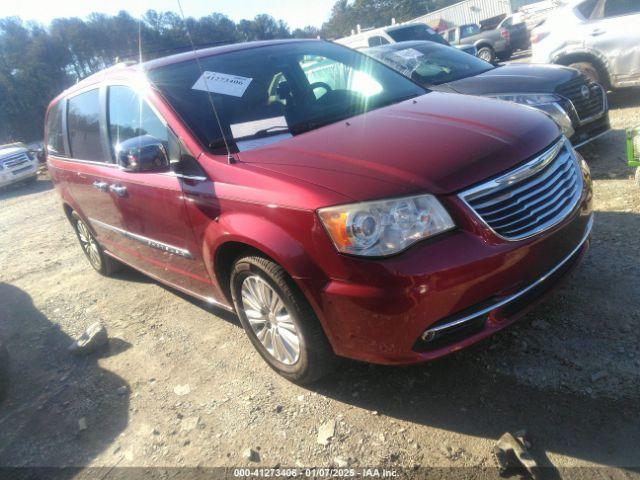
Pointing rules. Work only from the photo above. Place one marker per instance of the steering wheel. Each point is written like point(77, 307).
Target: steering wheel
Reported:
point(315, 85)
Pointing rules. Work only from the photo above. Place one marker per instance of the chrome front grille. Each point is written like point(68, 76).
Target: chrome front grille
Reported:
point(14, 160)
point(531, 198)
point(588, 98)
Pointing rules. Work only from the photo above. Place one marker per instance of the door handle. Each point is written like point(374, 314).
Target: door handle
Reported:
point(596, 32)
point(119, 190)
point(102, 186)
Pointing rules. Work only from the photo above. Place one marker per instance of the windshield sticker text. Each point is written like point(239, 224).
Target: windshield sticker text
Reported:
point(222, 83)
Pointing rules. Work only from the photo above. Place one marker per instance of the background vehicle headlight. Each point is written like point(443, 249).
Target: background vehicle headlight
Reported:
point(546, 102)
point(384, 227)
point(531, 99)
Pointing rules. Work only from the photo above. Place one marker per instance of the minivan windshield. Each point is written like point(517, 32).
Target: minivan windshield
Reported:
point(264, 94)
point(429, 63)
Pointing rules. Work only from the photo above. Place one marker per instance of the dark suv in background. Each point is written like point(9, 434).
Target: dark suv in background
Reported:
point(577, 104)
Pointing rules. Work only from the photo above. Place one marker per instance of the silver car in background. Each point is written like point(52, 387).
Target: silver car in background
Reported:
point(17, 163)
point(601, 38)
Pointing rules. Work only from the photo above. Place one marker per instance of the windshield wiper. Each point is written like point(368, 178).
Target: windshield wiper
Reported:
point(269, 130)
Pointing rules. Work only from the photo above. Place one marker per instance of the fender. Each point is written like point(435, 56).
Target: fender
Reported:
point(482, 43)
point(569, 50)
point(266, 236)
point(262, 234)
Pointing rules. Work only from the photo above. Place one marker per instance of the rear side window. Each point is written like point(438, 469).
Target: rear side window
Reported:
point(377, 41)
point(469, 30)
point(586, 8)
point(130, 117)
point(55, 133)
point(83, 123)
point(616, 8)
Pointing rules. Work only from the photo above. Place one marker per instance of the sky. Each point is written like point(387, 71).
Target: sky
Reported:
point(297, 13)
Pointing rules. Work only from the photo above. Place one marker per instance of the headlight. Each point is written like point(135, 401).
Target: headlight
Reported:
point(531, 99)
point(546, 102)
point(384, 227)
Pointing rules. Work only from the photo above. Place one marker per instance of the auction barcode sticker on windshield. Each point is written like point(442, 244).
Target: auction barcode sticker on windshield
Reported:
point(409, 54)
point(223, 83)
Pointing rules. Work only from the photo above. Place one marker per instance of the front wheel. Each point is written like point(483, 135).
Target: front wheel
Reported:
point(279, 321)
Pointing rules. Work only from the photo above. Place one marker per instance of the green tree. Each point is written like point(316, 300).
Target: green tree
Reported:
point(37, 63)
point(345, 15)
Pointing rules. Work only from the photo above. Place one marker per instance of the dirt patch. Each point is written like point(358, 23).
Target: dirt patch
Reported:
point(180, 385)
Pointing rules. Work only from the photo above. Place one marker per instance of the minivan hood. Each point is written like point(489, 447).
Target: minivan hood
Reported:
point(516, 79)
point(437, 143)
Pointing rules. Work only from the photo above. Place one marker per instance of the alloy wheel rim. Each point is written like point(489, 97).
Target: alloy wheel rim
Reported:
point(89, 245)
point(486, 56)
point(270, 320)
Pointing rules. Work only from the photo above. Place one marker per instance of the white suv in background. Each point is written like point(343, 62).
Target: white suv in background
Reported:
point(17, 163)
point(601, 38)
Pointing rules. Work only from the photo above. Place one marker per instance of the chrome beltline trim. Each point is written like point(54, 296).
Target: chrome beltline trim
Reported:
point(150, 242)
point(513, 297)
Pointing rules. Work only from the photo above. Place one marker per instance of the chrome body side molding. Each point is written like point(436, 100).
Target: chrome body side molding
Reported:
point(150, 242)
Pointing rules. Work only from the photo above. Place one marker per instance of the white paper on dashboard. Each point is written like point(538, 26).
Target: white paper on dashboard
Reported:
point(244, 145)
point(222, 83)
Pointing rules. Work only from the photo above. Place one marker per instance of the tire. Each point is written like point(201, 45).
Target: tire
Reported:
point(302, 362)
point(589, 71)
point(101, 263)
point(487, 54)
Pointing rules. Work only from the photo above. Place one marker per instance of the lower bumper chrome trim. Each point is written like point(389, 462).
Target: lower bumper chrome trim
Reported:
point(429, 333)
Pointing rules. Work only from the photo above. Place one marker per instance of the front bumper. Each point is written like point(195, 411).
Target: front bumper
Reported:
point(589, 132)
point(8, 177)
point(486, 318)
point(467, 278)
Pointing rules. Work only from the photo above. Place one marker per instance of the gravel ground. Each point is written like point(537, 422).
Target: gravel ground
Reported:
point(181, 386)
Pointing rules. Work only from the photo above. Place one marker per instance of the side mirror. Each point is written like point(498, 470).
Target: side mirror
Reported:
point(142, 154)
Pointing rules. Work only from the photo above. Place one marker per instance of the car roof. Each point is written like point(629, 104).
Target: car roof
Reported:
point(207, 52)
point(404, 25)
point(400, 45)
point(129, 70)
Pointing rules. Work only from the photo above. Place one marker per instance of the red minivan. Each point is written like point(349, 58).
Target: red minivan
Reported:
point(338, 208)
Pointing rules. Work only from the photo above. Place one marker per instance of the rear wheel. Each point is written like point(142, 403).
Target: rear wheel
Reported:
point(101, 262)
point(487, 54)
point(279, 321)
point(589, 71)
